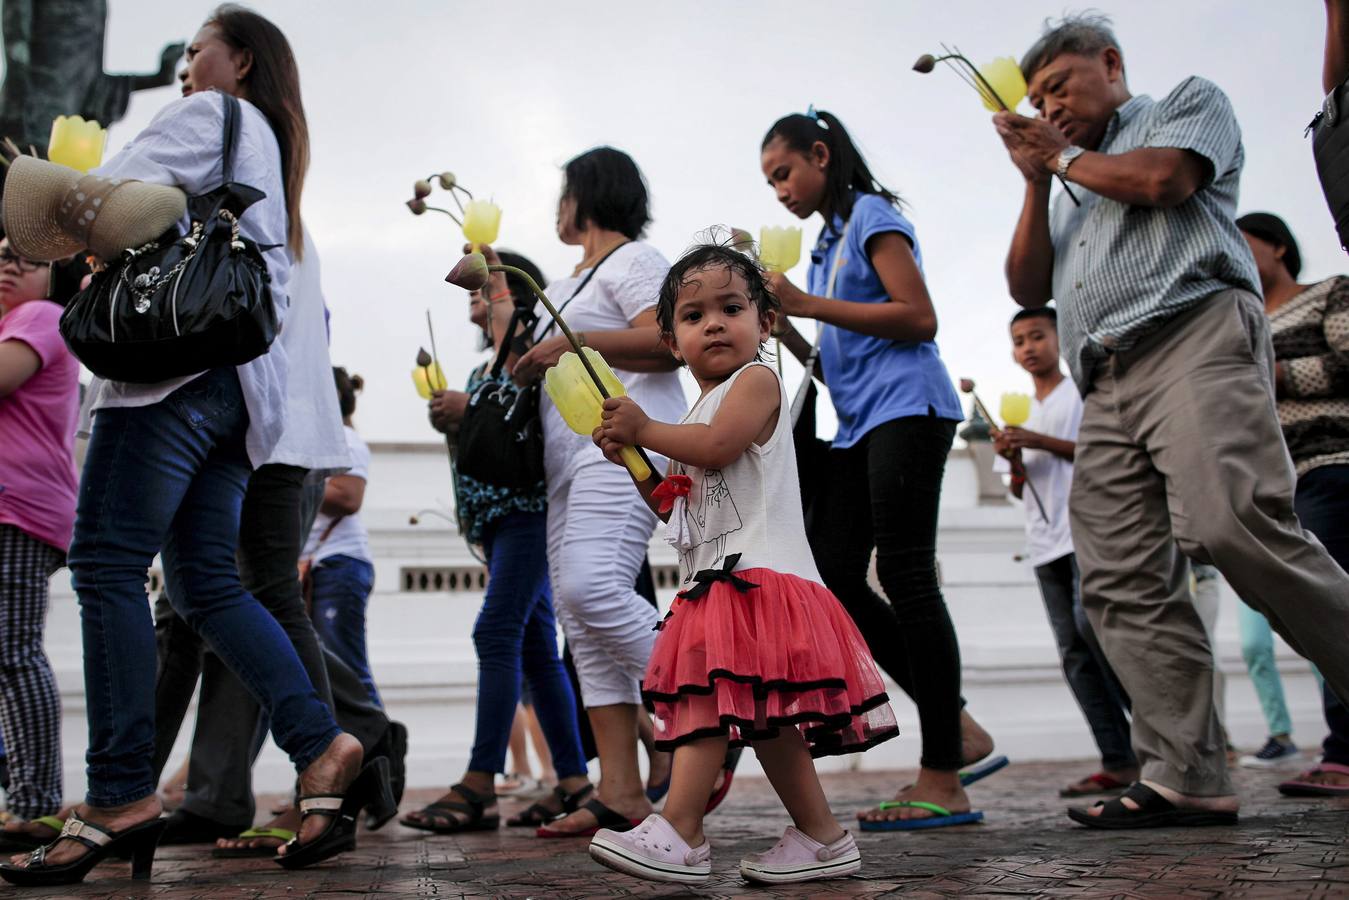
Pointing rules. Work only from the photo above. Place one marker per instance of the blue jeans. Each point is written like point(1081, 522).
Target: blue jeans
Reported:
point(169, 478)
point(342, 586)
point(516, 630)
point(1098, 692)
point(1322, 505)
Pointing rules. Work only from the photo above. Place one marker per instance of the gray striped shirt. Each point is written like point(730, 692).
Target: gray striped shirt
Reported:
point(1121, 271)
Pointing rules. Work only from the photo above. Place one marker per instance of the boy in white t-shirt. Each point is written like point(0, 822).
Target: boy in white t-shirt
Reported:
point(1043, 451)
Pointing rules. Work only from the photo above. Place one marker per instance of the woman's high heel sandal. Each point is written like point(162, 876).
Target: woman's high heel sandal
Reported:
point(137, 842)
point(371, 788)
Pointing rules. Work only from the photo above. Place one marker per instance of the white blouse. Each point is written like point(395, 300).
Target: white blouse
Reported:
point(182, 147)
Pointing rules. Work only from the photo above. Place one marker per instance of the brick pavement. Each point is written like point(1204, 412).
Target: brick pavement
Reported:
point(1026, 847)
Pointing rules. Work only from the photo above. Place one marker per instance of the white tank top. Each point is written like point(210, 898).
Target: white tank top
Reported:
point(752, 507)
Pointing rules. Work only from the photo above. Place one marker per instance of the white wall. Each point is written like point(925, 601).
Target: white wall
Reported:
point(423, 657)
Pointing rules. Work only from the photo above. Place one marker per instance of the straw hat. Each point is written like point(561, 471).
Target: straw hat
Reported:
point(52, 211)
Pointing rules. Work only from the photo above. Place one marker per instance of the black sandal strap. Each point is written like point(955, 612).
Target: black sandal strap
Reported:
point(472, 797)
point(604, 816)
point(572, 802)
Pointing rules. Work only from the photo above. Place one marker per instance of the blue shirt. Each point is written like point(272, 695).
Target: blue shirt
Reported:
point(874, 380)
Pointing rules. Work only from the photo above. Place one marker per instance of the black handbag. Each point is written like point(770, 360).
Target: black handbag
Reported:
point(1330, 147)
point(501, 436)
point(180, 304)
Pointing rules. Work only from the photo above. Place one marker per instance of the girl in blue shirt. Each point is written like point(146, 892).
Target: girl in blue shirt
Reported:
point(897, 413)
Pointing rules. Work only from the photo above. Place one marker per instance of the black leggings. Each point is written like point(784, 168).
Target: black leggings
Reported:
point(883, 493)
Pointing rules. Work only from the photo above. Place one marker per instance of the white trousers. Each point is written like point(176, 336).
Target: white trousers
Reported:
point(598, 531)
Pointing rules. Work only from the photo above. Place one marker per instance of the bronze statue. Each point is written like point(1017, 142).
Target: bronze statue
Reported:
point(54, 67)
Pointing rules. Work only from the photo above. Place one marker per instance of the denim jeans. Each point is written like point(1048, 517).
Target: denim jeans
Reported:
point(883, 493)
point(342, 586)
point(1322, 504)
point(516, 631)
point(170, 478)
point(1097, 692)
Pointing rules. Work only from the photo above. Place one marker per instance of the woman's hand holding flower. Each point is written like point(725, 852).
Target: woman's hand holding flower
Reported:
point(539, 359)
point(795, 302)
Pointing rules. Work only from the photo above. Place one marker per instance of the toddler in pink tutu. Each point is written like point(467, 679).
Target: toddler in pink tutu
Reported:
point(754, 650)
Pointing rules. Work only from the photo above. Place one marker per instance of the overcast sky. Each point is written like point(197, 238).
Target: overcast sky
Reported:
point(504, 93)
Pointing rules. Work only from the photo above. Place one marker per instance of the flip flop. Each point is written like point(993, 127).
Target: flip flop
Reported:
point(728, 766)
point(1154, 811)
point(1102, 784)
point(1297, 787)
point(284, 835)
point(982, 770)
point(22, 840)
point(941, 817)
point(604, 818)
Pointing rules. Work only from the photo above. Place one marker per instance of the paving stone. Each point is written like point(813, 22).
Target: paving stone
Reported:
point(1025, 847)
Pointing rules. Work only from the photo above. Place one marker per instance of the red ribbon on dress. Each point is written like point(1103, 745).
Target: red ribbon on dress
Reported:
point(673, 486)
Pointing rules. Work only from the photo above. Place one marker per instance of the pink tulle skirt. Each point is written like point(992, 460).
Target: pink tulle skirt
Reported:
point(784, 653)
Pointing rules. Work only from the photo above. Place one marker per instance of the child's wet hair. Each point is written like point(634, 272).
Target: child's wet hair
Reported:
point(706, 257)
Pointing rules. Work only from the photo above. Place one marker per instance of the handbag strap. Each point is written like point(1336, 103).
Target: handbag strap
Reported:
point(803, 392)
point(576, 293)
point(229, 138)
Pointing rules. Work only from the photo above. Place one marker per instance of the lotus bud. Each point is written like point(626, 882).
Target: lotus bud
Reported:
point(421, 187)
point(417, 205)
point(470, 273)
point(926, 63)
point(423, 358)
point(966, 386)
point(741, 240)
point(446, 180)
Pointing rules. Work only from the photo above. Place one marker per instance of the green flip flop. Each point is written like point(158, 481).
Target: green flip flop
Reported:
point(941, 817)
point(283, 835)
point(22, 840)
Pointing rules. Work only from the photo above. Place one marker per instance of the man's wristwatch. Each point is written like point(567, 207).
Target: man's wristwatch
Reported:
point(1066, 157)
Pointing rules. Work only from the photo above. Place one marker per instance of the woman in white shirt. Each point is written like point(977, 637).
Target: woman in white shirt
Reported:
point(598, 528)
point(165, 472)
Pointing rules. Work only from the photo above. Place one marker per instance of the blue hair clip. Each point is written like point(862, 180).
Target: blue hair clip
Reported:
point(810, 111)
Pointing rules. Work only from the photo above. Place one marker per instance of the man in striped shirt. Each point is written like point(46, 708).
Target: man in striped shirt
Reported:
point(1180, 451)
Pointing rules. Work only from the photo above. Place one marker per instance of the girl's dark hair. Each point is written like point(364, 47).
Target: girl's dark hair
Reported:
point(847, 171)
point(702, 258)
point(609, 191)
point(348, 386)
point(273, 85)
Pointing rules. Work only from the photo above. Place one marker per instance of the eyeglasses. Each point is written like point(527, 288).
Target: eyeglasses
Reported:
point(9, 258)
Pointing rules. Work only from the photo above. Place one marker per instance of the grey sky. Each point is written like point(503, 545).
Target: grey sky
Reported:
point(503, 93)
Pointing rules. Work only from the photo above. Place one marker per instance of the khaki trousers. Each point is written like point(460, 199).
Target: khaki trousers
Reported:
point(1180, 453)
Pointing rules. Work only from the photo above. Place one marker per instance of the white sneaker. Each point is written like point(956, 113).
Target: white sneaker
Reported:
point(799, 857)
point(654, 851)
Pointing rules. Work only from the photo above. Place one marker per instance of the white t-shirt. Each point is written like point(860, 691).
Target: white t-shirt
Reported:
point(181, 147)
point(626, 285)
point(751, 507)
point(312, 435)
point(1060, 416)
point(349, 538)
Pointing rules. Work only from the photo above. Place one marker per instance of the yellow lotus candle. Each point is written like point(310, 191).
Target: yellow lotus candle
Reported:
point(76, 143)
point(779, 248)
point(1015, 408)
point(482, 222)
point(576, 398)
point(1004, 76)
point(427, 376)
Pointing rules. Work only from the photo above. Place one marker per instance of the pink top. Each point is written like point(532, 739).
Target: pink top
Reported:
point(37, 430)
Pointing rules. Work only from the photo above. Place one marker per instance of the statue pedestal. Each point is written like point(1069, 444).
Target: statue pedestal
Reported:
point(992, 492)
